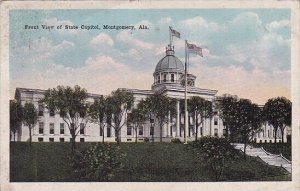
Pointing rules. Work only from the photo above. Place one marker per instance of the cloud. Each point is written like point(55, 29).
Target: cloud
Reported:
point(126, 37)
point(102, 39)
point(275, 25)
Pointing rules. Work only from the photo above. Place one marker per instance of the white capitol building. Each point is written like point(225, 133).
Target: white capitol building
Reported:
point(167, 80)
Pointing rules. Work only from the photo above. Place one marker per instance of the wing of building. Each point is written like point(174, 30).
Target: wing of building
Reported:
point(168, 76)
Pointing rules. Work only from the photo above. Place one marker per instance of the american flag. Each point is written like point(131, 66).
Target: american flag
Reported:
point(194, 49)
point(174, 33)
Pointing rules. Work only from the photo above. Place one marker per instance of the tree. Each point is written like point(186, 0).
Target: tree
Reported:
point(200, 109)
point(30, 117)
point(161, 107)
point(214, 152)
point(227, 111)
point(247, 121)
point(137, 117)
point(98, 113)
point(16, 116)
point(71, 105)
point(119, 104)
point(277, 112)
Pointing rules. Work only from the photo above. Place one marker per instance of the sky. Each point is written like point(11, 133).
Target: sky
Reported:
point(246, 52)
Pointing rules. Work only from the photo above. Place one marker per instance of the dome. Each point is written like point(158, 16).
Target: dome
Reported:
point(169, 62)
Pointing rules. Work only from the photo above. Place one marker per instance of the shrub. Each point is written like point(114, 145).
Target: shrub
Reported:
point(176, 140)
point(98, 162)
point(146, 139)
point(213, 152)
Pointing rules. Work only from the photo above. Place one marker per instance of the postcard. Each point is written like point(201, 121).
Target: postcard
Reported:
point(152, 95)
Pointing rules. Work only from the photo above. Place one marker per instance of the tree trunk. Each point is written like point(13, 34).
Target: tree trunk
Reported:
point(73, 137)
point(160, 136)
point(30, 136)
point(136, 135)
point(275, 136)
point(282, 134)
point(245, 146)
point(117, 136)
point(210, 130)
point(102, 135)
point(196, 123)
point(14, 138)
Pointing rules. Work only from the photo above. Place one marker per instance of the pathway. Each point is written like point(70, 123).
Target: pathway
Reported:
point(271, 159)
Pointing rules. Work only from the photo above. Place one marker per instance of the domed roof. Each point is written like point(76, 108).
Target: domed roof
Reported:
point(169, 62)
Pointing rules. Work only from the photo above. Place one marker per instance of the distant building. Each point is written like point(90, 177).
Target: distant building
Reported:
point(168, 76)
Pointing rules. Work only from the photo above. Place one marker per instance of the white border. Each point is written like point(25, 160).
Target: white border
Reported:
point(4, 101)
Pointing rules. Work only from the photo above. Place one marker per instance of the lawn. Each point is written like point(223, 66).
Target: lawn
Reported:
point(144, 162)
point(280, 148)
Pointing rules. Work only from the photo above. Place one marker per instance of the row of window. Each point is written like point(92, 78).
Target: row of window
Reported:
point(140, 130)
point(41, 139)
point(61, 128)
point(165, 78)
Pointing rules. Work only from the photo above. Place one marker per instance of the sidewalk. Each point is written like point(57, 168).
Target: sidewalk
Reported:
point(271, 159)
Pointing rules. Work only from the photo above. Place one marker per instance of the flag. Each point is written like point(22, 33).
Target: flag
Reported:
point(194, 49)
point(174, 33)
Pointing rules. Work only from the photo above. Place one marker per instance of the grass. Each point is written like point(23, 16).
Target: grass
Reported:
point(144, 162)
point(280, 148)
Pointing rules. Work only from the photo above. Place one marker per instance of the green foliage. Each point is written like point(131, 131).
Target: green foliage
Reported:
point(214, 152)
point(161, 106)
point(98, 162)
point(30, 117)
point(16, 116)
point(278, 112)
point(176, 140)
point(71, 105)
point(201, 109)
point(98, 113)
point(118, 105)
point(227, 111)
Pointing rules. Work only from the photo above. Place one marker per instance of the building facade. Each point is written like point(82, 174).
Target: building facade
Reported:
point(167, 80)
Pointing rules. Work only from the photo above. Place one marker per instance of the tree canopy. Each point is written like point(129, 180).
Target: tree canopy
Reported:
point(71, 105)
point(119, 104)
point(16, 116)
point(30, 117)
point(278, 112)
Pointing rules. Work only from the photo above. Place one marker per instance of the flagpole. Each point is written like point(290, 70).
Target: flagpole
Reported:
point(170, 36)
point(185, 97)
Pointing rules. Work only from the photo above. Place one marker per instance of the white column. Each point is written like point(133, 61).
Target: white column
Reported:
point(177, 119)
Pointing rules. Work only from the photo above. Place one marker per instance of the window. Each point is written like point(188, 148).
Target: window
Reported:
point(41, 128)
point(51, 112)
point(51, 128)
point(129, 139)
point(215, 120)
point(81, 129)
point(151, 130)
point(158, 79)
point(165, 77)
point(172, 77)
point(224, 132)
point(81, 140)
point(151, 120)
point(62, 129)
point(141, 130)
point(216, 132)
point(108, 133)
point(51, 139)
point(40, 139)
point(129, 130)
point(41, 109)
point(201, 131)
point(61, 140)
point(215, 112)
